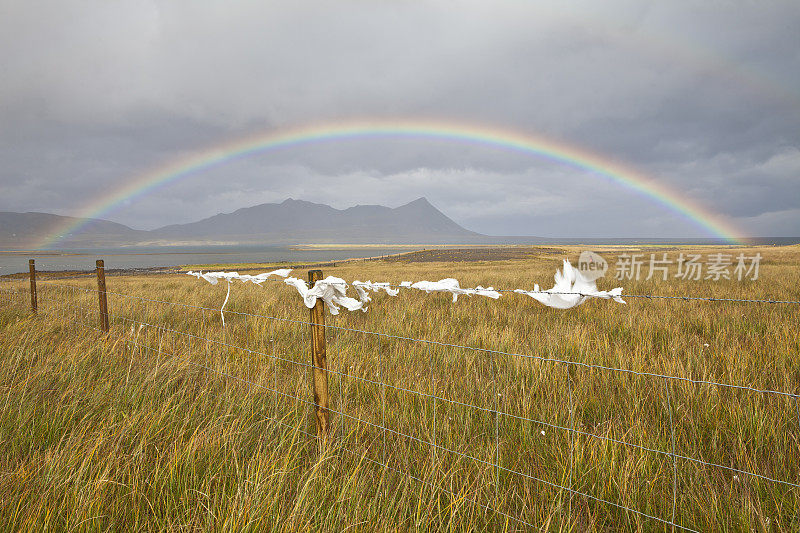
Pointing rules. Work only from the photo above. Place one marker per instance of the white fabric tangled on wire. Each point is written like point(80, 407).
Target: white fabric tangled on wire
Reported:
point(331, 290)
point(222, 309)
point(261, 278)
point(363, 288)
point(214, 277)
point(451, 285)
point(571, 289)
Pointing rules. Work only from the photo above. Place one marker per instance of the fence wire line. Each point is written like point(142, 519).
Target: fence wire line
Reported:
point(395, 387)
point(455, 402)
point(572, 293)
point(340, 447)
point(646, 296)
point(434, 445)
point(298, 428)
point(464, 347)
point(416, 439)
point(484, 409)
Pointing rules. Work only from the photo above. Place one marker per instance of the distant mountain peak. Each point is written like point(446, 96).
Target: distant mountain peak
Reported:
point(291, 221)
point(296, 202)
point(420, 201)
point(301, 221)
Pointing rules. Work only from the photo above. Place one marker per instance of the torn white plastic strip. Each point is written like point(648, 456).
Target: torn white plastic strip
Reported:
point(331, 290)
point(451, 285)
point(363, 288)
point(571, 289)
point(222, 309)
point(261, 278)
point(214, 277)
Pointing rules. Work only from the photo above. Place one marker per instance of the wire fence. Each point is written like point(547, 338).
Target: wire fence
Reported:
point(683, 298)
point(528, 434)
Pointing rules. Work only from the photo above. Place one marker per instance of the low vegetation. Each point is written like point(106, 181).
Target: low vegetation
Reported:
point(172, 422)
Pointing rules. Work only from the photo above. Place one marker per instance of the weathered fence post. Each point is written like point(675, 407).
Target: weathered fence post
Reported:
point(319, 376)
point(101, 294)
point(32, 268)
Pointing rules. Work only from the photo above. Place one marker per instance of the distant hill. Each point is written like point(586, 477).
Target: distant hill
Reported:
point(294, 221)
point(288, 222)
point(20, 231)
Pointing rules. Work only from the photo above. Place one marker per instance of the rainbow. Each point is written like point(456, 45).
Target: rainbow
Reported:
point(525, 143)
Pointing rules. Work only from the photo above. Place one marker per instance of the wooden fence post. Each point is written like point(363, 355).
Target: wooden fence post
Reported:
point(101, 294)
point(319, 361)
point(32, 269)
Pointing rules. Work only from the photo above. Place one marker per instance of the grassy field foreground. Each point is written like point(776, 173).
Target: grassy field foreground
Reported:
point(174, 422)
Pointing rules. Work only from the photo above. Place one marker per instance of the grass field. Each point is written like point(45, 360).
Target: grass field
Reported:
point(171, 422)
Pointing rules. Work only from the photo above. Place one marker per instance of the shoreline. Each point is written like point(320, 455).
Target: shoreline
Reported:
point(155, 270)
point(334, 246)
point(415, 254)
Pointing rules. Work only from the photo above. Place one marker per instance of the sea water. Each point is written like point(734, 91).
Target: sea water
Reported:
point(171, 256)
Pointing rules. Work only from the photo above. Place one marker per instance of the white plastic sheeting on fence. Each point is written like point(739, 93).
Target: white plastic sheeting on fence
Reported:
point(214, 277)
point(363, 288)
point(331, 290)
point(571, 289)
point(451, 285)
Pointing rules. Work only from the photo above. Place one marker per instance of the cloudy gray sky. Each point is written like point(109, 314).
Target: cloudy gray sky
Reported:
point(703, 97)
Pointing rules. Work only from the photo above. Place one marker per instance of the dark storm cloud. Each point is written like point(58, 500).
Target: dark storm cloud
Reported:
point(702, 97)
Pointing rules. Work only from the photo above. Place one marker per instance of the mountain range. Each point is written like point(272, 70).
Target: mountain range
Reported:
point(288, 222)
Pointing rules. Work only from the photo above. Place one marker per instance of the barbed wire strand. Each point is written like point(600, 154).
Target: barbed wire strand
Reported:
point(574, 293)
point(471, 406)
point(583, 294)
point(459, 346)
point(435, 446)
point(356, 419)
point(310, 403)
point(475, 348)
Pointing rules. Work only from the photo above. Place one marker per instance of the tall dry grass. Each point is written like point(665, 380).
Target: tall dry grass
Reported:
point(172, 422)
